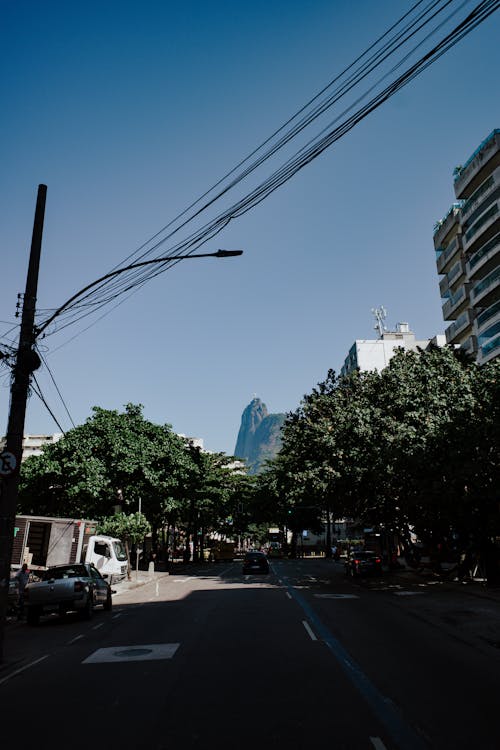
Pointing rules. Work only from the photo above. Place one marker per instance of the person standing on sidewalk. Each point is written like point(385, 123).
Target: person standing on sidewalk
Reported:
point(22, 576)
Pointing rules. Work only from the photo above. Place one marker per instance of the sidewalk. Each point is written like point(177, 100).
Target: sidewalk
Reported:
point(138, 578)
point(408, 575)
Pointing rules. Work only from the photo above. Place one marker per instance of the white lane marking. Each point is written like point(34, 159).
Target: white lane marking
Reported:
point(336, 596)
point(115, 617)
point(310, 632)
point(96, 627)
point(377, 743)
point(18, 671)
point(288, 594)
point(147, 652)
point(77, 638)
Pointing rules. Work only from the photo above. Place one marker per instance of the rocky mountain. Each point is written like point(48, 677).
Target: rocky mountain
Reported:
point(259, 437)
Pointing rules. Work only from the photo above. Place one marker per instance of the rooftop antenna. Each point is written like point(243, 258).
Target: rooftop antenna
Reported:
point(380, 314)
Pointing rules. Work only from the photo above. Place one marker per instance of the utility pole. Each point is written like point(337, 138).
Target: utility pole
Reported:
point(27, 361)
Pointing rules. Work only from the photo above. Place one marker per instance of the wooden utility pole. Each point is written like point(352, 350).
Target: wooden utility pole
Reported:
point(27, 361)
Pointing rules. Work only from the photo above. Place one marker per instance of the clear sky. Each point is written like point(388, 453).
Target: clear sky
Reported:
point(128, 110)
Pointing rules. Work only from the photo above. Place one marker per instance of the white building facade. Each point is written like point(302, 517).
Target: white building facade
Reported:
point(375, 354)
point(32, 444)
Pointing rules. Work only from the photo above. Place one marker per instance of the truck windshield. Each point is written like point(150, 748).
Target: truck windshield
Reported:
point(120, 551)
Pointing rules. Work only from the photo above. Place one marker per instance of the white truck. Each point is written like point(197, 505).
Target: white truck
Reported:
point(41, 541)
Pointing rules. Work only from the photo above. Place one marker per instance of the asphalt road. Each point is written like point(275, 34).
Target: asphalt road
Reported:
point(301, 658)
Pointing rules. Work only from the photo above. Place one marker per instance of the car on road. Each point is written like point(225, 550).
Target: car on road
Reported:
point(255, 562)
point(67, 588)
point(363, 562)
point(274, 550)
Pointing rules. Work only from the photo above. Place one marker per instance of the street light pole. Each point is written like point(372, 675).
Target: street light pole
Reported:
point(27, 361)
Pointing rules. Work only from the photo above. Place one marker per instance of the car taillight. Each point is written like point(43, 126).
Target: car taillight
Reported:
point(79, 586)
point(378, 560)
point(356, 562)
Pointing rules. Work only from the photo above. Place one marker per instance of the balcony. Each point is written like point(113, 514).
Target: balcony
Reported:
point(456, 272)
point(484, 160)
point(485, 259)
point(487, 291)
point(487, 221)
point(445, 256)
point(487, 317)
point(455, 304)
point(443, 227)
point(491, 350)
point(481, 194)
point(460, 329)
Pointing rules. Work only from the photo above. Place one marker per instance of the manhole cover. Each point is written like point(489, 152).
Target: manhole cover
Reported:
point(134, 652)
point(141, 652)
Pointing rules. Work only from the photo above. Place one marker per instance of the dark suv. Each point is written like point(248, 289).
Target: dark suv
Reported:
point(255, 562)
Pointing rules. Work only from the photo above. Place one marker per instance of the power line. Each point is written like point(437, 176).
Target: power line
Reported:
point(108, 292)
point(56, 386)
point(38, 392)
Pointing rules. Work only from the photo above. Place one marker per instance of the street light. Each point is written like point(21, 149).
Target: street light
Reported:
point(111, 274)
point(27, 361)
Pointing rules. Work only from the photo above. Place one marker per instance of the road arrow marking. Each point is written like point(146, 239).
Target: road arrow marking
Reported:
point(408, 593)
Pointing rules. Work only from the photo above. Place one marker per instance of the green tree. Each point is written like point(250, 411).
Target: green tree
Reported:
point(415, 445)
point(112, 459)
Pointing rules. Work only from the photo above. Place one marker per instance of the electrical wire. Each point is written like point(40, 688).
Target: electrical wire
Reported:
point(55, 386)
point(396, 40)
point(109, 291)
point(37, 390)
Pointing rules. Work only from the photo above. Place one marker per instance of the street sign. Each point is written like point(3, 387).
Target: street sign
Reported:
point(8, 463)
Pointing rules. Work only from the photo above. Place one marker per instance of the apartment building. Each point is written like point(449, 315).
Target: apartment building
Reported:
point(374, 354)
point(32, 444)
point(467, 245)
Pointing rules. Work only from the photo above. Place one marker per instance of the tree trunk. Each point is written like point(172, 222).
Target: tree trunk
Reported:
point(127, 550)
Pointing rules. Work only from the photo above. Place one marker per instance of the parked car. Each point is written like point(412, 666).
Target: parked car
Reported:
point(255, 562)
point(363, 562)
point(65, 588)
point(274, 550)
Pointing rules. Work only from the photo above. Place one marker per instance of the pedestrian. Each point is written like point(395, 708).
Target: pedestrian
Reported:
point(22, 577)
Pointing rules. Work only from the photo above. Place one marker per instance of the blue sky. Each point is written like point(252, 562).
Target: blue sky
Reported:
point(128, 111)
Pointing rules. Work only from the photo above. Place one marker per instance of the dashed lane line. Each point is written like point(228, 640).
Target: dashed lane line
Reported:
point(22, 669)
point(377, 743)
point(75, 639)
point(309, 630)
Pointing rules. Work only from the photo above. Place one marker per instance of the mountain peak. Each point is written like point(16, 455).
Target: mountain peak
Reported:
point(259, 436)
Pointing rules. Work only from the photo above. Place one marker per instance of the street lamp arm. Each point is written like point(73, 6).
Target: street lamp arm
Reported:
point(111, 274)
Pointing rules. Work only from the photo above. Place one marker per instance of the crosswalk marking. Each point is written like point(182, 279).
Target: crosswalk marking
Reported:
point(336, 596)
